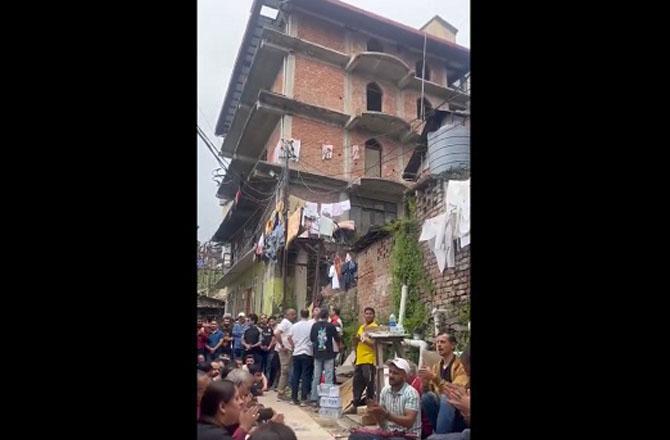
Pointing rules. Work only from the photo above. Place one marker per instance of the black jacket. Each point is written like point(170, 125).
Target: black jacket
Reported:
point(208, 431)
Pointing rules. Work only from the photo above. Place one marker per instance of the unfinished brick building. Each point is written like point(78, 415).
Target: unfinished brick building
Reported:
point(345, 86)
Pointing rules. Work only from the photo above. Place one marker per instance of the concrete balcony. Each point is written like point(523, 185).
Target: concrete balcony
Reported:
point(383, 66)
point(382, 123)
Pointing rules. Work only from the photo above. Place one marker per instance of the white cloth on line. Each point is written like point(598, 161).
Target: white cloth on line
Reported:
point(443, 229)
point(326, 226)
point(457, 199)
point(327, 209)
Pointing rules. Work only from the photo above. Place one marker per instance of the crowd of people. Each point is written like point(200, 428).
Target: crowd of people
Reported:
point(239, 361)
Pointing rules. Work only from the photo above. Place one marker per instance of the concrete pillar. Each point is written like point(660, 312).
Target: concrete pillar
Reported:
point(300, 279)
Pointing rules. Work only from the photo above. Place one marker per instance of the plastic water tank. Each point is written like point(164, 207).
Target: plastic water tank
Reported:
point(449, 148)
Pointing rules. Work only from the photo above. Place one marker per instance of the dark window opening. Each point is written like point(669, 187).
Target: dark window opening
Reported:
point(375, 46)
point(374, 97)
point(419, 70)
point(373, 158)
point(428, 108)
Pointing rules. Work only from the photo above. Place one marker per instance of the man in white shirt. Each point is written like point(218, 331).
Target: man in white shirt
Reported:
point(284, 349)
point(303, 361)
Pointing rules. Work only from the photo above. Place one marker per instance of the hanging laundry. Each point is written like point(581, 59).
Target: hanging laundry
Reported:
point(434, 230)
point(349, 272)
point(294, 203)
point(274, 242)
point(457, 199)
point(339, 208)
point(327, 209)
point(260, 245)
point(355, 153)
point(326, 226)
point(326, 152)
point(335, 280)
point(311, 209)
point(445, 228)
point(348, 225)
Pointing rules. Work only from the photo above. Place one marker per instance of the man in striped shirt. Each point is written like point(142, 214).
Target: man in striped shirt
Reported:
point(399, 408)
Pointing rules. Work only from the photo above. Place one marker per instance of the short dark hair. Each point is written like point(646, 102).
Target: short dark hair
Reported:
point(336, 310)
point(451, 338)
point(253, 317)
point(304, 313)
point(370, 309)
point(323, 314)
point(215, 394)
point(225, 371)
point(255, 368)
point(250, 356)
point(272, 317)
point(205, 366)
point(273, 431)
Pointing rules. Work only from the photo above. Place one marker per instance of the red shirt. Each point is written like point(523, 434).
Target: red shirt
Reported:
point(426, 428)
point(202, 340)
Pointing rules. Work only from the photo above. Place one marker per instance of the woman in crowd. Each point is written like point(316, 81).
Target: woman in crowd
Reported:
point(223, 415)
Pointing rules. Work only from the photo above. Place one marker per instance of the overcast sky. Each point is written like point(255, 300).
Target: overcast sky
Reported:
point(221, 24)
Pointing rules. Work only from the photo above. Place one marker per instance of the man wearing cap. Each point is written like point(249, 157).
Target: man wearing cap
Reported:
point(239, 329)
point(399, 408)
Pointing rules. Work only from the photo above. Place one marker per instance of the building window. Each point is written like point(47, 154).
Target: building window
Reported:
point(373, 158)
point(375, 46)
point(427, 106)
point(419, 70)
point(374, 97)
point(369, 212)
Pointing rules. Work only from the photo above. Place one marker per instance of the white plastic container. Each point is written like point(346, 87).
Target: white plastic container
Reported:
point(326, 390)
point(330, 413)
point(330, 402)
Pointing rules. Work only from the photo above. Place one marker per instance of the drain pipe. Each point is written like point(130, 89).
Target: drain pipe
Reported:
point(437, 318)
point(403, 305)
point(418, 343)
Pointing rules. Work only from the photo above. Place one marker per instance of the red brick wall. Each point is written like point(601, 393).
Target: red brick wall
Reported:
point(278, 85)
point(320, 32)
point(391, 151)
point(359, 94)
point(318, 83)
point(312, 135)
point(374, 279)
point(410, 104)
point(272, 141)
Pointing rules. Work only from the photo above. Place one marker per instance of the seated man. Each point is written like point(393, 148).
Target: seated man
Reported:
point(442, 415)
point(398, 410)
point(459, 397)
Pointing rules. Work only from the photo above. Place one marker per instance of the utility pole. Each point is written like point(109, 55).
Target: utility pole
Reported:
point(287, 146)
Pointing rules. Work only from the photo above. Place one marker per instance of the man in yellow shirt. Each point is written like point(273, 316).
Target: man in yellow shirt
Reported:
point(364, 371)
